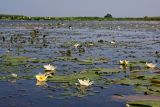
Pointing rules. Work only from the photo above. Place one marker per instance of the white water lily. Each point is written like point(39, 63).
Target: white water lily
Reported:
point(76, 45)
point(113, 42)
point(123, 62)
point(49, 67)
point(14, 75)
point(85, 82)
point(150, 65)
point(127, 105)
point(91, 44)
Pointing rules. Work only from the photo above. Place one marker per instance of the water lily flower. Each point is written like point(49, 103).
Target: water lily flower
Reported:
point(14, 75)
point(90, 44)
point(113, 42)
point(85, 82)
point(119, 28)
point(150, 65)
point(41, 77)
point(127, 105)
point(49, 67)
point(76, 45)
point(124, 62)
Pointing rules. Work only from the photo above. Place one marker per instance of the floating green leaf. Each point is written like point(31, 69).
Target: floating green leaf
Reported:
point(147, 103)
point(92, 60)
point(72, 78)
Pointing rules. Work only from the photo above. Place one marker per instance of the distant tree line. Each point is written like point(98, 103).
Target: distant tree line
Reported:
point(106, 17)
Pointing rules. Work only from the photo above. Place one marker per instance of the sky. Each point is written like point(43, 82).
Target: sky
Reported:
point(75, 8)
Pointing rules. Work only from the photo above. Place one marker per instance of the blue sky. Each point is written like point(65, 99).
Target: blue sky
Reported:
point(63, 8)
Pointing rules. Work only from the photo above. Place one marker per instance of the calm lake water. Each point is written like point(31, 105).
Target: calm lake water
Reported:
point(135, 40)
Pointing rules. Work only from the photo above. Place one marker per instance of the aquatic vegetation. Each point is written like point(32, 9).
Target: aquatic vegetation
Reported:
point(95, 74)
point(72, 78)
point(147, 103)
point(90, 44)
point(107, 71)
point(83, 55)
point(34, 33)
point(124, 62)
point(85, 82)
point(22, 60)
point(68, 53)
point(49, 67)
point(139, 100)
point(113, 42)
point(127, 81)
point(41, 77)
point(81, 50)
point(150, 65)
point(14, 75)
point(67, 58)
point(93, 60)
point(146, 83)
point(15, 60)
point(137, 66)
point(76, 45)
point(37, 60)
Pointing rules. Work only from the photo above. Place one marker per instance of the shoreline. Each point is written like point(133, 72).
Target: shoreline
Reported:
point(21, 17)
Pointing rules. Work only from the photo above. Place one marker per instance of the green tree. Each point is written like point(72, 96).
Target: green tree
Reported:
point(108, 16)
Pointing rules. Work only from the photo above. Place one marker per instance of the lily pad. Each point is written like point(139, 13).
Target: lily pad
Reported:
point(127, 81)
point(35, 60)
point(67, 58)
point(15, 60)
point(141, 89)
point(149, 103)
point(91, 60)
point(106, 70)
point(72, 78)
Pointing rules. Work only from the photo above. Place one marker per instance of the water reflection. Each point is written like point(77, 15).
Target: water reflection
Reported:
point(41, 84)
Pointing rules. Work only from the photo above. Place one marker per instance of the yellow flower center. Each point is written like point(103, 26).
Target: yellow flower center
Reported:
point(41, 77)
